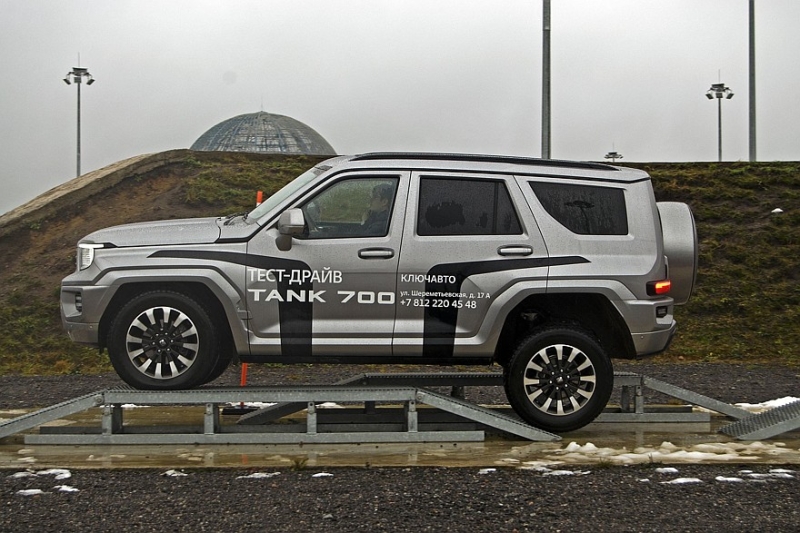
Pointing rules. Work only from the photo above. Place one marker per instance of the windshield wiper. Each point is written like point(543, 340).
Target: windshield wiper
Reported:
point(229, 218)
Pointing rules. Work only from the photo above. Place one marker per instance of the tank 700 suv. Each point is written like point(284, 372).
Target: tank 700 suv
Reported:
point(547, 268)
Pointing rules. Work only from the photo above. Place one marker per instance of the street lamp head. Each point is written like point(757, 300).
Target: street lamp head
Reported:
point(718, 90)
point(78, 74)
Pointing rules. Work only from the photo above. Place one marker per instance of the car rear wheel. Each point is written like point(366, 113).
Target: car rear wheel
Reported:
point(559, 379)
point(163, 340)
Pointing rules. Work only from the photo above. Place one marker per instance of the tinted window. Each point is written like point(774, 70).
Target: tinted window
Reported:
point(465, 207)
point(585, 210)
point(351, 208)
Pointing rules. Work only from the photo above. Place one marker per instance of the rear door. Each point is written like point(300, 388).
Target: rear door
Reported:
point(468, 239)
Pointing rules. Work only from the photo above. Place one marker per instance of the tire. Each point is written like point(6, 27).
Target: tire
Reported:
point(559, 379)
point(163, 340)
point(223, 362)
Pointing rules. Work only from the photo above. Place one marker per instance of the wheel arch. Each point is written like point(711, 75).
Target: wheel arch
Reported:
point(591, 311)
point(192, 289)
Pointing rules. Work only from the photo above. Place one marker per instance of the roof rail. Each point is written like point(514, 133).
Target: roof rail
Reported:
point(515, 160)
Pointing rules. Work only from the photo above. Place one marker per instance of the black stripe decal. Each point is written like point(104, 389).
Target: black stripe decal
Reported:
point(296, 318)
point(439, 328)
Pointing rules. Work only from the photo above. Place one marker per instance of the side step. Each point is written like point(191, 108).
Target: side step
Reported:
point(767, 424)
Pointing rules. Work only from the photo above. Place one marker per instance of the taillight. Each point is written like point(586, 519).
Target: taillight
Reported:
point(659, 288)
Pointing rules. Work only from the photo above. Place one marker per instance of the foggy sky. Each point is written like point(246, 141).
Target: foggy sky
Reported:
point(373, 75)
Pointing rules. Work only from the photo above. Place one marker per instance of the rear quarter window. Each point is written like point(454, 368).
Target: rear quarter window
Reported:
point(584, 209)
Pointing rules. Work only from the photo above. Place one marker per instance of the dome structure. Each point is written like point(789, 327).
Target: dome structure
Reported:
point(263, 133)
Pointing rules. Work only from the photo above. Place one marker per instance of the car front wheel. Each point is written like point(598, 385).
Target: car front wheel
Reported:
point(163, 340)
point(559, 379)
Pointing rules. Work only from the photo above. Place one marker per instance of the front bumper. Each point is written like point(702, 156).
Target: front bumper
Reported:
point(79, 312)
point(83, 333)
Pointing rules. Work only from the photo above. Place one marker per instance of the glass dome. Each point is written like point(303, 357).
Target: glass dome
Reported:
point(263, 133)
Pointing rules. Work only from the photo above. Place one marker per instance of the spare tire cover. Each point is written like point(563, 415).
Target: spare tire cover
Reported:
point(680, 247)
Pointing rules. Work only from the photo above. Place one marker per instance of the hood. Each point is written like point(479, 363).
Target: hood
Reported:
point(182, 231)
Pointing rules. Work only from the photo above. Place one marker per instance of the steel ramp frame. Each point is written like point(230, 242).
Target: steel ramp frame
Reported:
point(407, 424)
point(113, 431)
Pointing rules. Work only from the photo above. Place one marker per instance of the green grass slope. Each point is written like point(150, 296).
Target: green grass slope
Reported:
point(745, 306)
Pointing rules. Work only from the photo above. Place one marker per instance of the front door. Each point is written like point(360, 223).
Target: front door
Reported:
point(333, 293)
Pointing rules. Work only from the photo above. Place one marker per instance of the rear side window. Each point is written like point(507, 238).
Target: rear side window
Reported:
point(466, 207)
point(583, 209)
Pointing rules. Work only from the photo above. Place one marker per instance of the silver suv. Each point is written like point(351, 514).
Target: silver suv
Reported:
point(548, 268)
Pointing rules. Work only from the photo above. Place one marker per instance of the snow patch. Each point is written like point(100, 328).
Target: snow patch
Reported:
point(260, 475)
point(682, 481)
point(30, 492)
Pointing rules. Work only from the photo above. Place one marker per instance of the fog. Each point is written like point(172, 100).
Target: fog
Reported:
point(369, 75)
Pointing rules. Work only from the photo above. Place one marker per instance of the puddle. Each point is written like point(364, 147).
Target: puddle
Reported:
point(597, 443)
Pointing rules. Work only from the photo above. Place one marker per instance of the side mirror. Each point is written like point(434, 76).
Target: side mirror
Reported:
point(291, 222)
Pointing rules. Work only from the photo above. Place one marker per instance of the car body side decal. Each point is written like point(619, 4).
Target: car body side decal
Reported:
point(440, 322)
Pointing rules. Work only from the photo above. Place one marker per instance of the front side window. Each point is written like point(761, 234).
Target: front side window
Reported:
point(456, 206)
point(584, 209)
point(359, 207)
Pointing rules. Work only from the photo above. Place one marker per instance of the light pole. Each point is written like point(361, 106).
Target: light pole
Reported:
point(719, 91)
point(752, 147)
point(546, 79)
point(76, 76)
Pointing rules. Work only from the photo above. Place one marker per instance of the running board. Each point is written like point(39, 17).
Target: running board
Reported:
point(767, 424)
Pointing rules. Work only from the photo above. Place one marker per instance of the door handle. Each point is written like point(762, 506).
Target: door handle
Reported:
point(376, 253)
point(515, 250)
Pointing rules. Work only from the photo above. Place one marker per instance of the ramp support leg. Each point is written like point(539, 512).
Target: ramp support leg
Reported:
point(211, 419)
point(638, 400)
point(311, 418)
point(625, 399)
point(112, 419)
point(410, 409)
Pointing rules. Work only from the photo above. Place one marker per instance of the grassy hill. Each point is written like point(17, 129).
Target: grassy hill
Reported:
point(745, 307)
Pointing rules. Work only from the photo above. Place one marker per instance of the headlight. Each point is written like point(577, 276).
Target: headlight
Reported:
point(86, 254)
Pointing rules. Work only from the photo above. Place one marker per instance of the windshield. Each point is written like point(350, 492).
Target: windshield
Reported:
point(292, 187)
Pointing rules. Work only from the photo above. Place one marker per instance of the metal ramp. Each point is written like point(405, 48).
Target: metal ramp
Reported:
point(767, 424)
point(398, 419)
point(633, 409)
point(412, 428)
point(48, 414)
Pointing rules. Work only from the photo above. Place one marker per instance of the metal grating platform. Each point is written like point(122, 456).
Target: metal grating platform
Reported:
point(767, 424)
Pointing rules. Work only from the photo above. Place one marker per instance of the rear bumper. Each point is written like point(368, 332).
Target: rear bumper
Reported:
point(653, 342)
